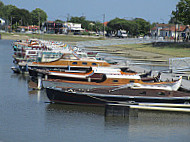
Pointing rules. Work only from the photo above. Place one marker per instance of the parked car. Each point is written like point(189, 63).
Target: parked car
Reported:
point(77, 33)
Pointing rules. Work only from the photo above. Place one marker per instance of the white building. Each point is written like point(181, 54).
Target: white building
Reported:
point(73, 27)
point(2, 22)
point(170, 31)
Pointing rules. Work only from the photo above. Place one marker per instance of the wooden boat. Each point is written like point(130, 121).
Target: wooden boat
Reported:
point(33, 50)
point(115, 95)
point(74, 60)
point(169, 86)
point(130, 80)
point(66, 74)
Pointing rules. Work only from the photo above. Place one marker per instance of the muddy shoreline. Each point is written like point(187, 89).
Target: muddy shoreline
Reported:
point(132, 54)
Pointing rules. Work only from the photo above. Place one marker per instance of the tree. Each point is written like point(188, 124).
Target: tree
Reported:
point(182, 11)
point(20, 16)
point(1, 9)
point(58, 21)
point(134, 27)
point(143, 26)
point(80, 20)
point(8, 10)
point(38, 16)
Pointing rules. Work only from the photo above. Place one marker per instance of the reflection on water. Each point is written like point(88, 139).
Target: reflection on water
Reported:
point(57, 108)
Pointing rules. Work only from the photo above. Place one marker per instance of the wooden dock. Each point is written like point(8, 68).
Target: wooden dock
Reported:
point(126, 110)
point(168, 76)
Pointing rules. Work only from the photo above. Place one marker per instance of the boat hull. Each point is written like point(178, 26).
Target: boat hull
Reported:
point(58, 96)
point(70, 96)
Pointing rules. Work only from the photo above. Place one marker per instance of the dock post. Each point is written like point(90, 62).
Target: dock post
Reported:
point(39, 81)
point(89, 79)
point(120, 110)
point(46, 77)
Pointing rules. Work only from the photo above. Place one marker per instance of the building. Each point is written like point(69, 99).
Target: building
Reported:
point(170, 31)
point(155, 31)
point(2, 24)
point(52, 27)
point(28, 29)
point(72, 27)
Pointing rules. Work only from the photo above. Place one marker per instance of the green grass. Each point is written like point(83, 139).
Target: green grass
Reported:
point(177, 50)
point(54, 37)
point(171, 49)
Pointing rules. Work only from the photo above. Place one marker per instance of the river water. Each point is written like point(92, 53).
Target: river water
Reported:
point(26, 116)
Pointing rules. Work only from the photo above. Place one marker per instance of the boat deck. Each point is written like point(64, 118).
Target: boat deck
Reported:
point(130, 92)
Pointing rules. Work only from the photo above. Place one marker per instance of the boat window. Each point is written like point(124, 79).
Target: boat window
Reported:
point(161, 93)
point(131, 81)
point(94, 64)
point(74, 63)
point(84, 63)
point(115, 80)
point(31, 52)
point(143, 93)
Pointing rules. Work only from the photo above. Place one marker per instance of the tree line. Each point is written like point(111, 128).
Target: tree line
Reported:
point(135, 27)
point(21, 17)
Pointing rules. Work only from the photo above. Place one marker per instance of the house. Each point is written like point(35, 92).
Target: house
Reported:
point(155, 31)
point(28, 29)
point(2, 24)
point(170, 31)
point(52, 27)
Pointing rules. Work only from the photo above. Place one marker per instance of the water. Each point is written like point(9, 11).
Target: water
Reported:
point(25, 115)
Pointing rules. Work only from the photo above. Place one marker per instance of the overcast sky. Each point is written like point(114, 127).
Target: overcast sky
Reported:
point(150, 10)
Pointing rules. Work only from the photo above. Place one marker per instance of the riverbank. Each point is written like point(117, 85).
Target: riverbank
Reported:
point(159, 52)
point(71, 39)
point(147, 51)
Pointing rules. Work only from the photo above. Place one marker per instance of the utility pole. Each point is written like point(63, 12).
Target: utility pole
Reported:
point(39, 19)
point(68, 17)
point(11, 23)
point(104, 25)
point(176, 24)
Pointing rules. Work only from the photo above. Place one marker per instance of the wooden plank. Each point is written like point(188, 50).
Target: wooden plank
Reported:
point(160, 108)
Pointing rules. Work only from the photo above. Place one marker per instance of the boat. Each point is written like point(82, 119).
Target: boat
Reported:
point(66, 74)
point(69, 60)
point(33, 55)
point(169, 86)
point(31, 50)
point(111, 78)
point(115, 95)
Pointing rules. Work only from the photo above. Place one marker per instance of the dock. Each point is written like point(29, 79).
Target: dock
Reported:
point(126, 110)
point(168, 76)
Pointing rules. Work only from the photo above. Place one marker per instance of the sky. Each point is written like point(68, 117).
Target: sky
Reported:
point(150, 10)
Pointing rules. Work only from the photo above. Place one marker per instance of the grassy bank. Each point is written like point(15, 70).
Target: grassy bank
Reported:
point(158, 51)
point(53, 37)
point(175, 50)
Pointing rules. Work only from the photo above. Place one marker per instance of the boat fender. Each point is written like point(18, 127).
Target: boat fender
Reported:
point(70, 90)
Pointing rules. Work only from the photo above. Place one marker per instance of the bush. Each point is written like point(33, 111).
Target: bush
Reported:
point(85, 33)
